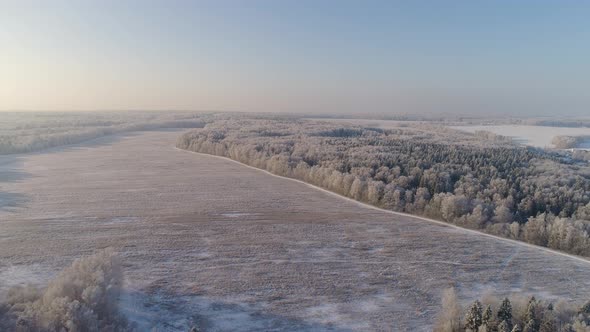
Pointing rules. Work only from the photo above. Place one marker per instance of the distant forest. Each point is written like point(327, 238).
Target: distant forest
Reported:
point(33, 131)
point(470, 180)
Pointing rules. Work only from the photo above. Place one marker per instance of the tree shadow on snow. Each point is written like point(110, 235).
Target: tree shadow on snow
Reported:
point(179, 313)
point(10, 172)
point(12, 175)
point(9, 201)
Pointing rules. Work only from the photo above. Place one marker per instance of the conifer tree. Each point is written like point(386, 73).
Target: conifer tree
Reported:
point(473, 319)
point(503, 327)
point(530, 326)
point(487, 318)
point(531, 316)
point(505, 311)
point(548, 324)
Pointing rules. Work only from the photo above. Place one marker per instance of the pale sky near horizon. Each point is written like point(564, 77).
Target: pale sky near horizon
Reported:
point(517, 57)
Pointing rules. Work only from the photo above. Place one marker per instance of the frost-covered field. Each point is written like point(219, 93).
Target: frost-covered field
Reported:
point(538, 136)
point(209, 242)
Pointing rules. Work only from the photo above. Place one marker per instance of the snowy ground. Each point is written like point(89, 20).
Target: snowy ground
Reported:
point(538, 136)
point(207, 241)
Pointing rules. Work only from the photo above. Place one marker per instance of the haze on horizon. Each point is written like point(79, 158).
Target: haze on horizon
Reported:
point(526, 58)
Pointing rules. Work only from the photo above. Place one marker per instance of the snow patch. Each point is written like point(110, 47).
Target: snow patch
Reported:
point(158, 312)
point(20, 275)
point(120, 220)
point(235, 214)
point(537, 136)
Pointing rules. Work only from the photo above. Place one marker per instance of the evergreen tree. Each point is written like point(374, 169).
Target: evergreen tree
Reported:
point(530, 316)
point(567, 328)
point(585, 309)
point(529, 327)
point(487, 318)
point(505, 311)
point(503, 327)
point(473, 319)
point(548, 324)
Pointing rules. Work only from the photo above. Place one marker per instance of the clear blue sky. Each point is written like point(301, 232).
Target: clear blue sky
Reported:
point(519, 57)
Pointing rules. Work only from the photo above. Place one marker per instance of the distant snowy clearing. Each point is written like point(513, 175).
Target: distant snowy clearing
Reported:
point(537, 136)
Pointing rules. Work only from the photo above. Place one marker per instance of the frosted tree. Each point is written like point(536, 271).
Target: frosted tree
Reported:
point(585, 309)
point(357, 188)
point(548, 324)
point(505, 311)
point(502, 214)
point(531, 315)
point(503, 326)
point(375, 192)
point(579, 326)
point(83, 297)
point(449, 318)
point(530, 327)
point(487, 317)
point(473, 318)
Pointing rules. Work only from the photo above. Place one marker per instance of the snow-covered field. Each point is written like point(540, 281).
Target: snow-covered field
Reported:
point(209, 242)
point(538, 136)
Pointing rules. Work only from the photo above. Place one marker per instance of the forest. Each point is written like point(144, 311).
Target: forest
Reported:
point(515, 314)
point(569, 142)
point(470, 180)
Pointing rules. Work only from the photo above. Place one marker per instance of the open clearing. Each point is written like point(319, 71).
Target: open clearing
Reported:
point(537, 136)
point(208, 241)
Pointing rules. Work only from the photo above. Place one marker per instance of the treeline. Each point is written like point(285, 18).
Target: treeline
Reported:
point(46, 131)
point(577, 123)
point(581, 155)
point(521, 193)
point(568, 142)
point(488, 135)
point(516, 314)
